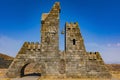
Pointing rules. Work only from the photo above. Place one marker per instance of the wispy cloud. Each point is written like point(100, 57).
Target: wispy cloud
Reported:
point(115, 44)
point(110, 52)
point(9, 46)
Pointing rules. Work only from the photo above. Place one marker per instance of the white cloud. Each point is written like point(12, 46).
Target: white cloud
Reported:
point(109, 52)
point(9, 46)
point(115, 45)
point(118, 44)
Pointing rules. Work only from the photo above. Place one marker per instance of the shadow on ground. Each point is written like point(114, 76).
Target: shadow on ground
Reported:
point(32, 74)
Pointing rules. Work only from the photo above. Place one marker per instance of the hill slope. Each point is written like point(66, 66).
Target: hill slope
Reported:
point(113, 67)
point(5, 60)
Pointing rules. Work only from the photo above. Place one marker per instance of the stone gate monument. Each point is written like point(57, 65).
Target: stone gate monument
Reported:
point(73, 62)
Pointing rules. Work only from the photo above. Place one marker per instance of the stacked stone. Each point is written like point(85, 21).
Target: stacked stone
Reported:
point(33, 46)
point(79, 63)
point(74, 62)
point(75, 51)
point(50, 40)
point(49, 29)
point(73, 38)
point(27, 54)
point(96, 67)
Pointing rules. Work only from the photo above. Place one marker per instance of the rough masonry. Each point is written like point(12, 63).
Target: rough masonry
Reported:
point(73, 62)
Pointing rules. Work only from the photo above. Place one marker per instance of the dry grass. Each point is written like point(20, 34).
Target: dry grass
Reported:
point(5, 79)
point(116, 74)
point(56, 78)
point(76, 79)
point(2, 74)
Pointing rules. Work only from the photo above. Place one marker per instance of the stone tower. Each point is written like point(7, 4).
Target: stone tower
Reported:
point(50, 39)
point(75, 51)
point(73, 38)
point(50, 29)
point(73, 62)
point(79, 62)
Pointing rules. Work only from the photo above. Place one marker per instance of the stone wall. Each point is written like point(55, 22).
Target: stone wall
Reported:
point(29, 53)
point(74, 62)
point(50, 39)
point(96, 66)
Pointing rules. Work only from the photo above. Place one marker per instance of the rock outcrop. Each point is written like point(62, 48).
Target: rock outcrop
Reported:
point(5, 60)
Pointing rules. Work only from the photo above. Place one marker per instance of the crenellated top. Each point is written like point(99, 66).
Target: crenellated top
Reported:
point(73, 37)
point(94, 56)
point(32, 46)
point(72, 25)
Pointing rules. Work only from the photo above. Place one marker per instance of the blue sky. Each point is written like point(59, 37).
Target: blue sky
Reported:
point(99, 22)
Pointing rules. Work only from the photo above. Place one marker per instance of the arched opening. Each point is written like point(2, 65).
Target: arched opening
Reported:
point(29, 70)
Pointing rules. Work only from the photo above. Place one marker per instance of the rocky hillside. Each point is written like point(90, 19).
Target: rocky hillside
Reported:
point(113, 67)
point(5, 60)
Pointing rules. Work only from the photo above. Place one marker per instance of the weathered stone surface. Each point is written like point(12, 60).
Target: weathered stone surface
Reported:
point(74, 62)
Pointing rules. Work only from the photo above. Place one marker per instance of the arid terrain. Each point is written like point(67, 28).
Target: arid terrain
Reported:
point(5, 61)
point(114, 69)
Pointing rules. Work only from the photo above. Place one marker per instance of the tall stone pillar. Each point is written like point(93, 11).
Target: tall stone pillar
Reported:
point(50, 39)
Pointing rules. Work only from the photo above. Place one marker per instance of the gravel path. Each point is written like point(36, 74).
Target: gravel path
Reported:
point(27, 78)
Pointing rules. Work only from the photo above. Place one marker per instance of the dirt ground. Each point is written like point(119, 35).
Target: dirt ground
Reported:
point(3, 77)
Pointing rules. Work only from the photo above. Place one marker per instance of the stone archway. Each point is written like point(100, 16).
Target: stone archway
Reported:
point(30, 69)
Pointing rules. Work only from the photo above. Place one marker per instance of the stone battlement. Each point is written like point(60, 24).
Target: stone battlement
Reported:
point(72, 24)
point(94, 56)
point(32, 45)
